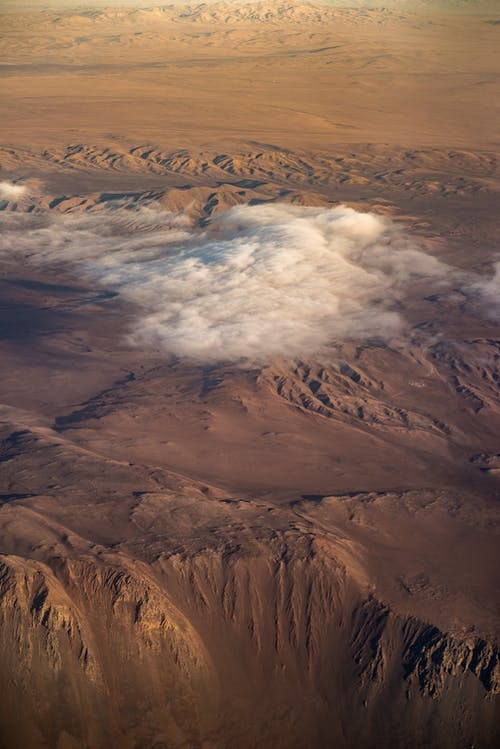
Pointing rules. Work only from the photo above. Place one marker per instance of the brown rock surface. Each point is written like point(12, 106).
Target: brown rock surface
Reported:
point(297, 552)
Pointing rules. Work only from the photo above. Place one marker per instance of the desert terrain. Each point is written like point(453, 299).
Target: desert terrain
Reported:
point(250, 366)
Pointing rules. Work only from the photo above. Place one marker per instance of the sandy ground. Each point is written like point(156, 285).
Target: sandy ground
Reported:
point(248, 529)
point(382, 77)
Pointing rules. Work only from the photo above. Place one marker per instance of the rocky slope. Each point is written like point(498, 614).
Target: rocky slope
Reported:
point(142, 608)
point(275, 641)
point(294, 552)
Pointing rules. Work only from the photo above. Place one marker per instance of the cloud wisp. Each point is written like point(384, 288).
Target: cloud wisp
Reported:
point(488, 290)
point(259, 281)
point(11, 191)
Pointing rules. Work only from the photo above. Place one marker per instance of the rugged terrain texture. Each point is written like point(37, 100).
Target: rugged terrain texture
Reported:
point(325, 575)
point(295, 554)
point(141, 609)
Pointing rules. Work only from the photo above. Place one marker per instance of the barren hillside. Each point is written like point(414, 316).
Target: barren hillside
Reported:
point(250, 418)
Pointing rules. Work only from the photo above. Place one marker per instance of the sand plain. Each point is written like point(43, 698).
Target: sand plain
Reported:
point(290, 550)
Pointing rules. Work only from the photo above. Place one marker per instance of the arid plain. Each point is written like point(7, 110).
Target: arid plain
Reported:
point(250, 419)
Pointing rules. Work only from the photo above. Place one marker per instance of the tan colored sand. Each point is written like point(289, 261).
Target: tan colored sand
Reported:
point(379, 77)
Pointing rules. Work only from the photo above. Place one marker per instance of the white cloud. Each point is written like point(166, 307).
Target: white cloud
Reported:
point(11, 191)
point(259, 281)
point(488, 290)
point(278, 280)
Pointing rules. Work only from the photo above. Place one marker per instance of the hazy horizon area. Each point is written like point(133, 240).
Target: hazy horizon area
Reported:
point(454, 6)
